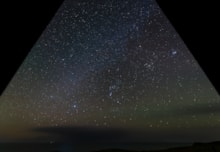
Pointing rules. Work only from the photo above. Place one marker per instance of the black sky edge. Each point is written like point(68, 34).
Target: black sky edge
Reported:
point(196, 23)
point(24, 22)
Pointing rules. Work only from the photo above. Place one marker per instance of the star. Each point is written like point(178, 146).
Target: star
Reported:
point(110, 64)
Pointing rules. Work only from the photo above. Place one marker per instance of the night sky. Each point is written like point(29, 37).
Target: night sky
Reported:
point(110, 65)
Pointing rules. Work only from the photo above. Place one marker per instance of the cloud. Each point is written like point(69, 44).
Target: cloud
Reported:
point(85, 134)
point(96, 136)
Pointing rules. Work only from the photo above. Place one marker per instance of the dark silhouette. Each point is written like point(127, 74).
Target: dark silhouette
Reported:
point(196, 147)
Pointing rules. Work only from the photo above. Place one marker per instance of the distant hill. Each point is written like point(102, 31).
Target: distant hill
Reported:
point(196, 147)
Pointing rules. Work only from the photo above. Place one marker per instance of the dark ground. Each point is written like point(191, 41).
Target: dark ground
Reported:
point(197, 147)
point(46, 147)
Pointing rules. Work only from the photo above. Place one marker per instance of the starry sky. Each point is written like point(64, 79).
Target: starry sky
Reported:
point(113, 65)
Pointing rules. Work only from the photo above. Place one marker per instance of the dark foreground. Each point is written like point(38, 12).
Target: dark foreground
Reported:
point(197, 147)
point(55, 147)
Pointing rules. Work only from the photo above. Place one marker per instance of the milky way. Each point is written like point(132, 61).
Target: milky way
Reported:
point(113, 64)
